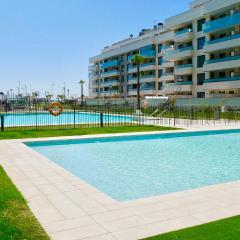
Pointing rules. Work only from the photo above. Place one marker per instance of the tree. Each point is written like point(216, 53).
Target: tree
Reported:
point(138, 60)
point(81, 82)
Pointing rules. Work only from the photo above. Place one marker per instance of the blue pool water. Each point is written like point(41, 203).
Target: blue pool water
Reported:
point(134, 167)
point(32, 119)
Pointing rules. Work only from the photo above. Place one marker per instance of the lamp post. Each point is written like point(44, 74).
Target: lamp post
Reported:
point(81, 82)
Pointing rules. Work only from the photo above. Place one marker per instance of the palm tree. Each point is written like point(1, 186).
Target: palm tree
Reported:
point(81, 82)
point(138, 60)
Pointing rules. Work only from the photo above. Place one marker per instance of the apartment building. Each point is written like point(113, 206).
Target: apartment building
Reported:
point(193, 54)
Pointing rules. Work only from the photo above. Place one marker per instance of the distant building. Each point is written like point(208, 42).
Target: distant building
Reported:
point(193, 54)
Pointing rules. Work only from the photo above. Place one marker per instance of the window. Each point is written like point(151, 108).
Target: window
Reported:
point(160, 61)
point(159, 48)
point(200, 61)
point(160, 85)
point(160, 73)
point(200, 24)
point(201, 42)
point(200, 78)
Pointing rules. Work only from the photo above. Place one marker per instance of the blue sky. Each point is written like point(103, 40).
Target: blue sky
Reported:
point(45, 43)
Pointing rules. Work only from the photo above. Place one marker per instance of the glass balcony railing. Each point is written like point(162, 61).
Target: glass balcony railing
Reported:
point(222, 59)
point(183, 66)
point(184, 49)
point(142, 77)
point(165, 47)
point(183, 31)
point(110, 72)
point(223, 39)
point(142, 65)
point(167, 74)
point(226, 79)
point(148, 54)
point(221, 23)
point(112, 63)
point(145, 88)
point(184, 83)
point(110, 91)
point(110, 82)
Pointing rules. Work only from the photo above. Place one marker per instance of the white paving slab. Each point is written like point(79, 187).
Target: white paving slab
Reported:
point(70, 209)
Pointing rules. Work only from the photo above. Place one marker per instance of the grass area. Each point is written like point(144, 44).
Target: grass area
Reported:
point(227, 229)
point(16, 220)
point(79, 131)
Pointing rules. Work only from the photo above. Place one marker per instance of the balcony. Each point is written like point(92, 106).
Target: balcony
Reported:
point(148, 54)
point(110, 73)
point(183, 53)
point(222, 43)
point(222, 83)
point(110, 92)
point(185, 69)
point(167, 64)
point(179, 87)
point(167, 77)
point(222, 23)
point(143, 67)
point(166, 49)
point(183, 35)
point(108, 64)
point(112, 82)
point(222, 63)
point(147, 78)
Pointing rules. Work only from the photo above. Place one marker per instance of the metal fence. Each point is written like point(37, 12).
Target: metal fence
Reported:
point(76, 116)
point(71, 117)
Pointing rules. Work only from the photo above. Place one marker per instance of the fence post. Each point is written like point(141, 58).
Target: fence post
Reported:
point(2, 122)
point(101, 119)
point(74, 118)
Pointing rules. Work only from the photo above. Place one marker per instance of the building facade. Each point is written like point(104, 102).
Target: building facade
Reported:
point(193, 54)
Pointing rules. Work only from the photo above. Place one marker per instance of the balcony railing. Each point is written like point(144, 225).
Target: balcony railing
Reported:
point(110, 72)
point(110, 82)
point(183, 31)
point(222, 59)
point(112, 63)
point(165, 47)
point(221, 23)
point(148, 54)
point(142, 65)
point(184, 83)
point(167, 74)
point(142, 77)
point(212, 80)
point(184, 49)
point(183, 66)
point(223, 39)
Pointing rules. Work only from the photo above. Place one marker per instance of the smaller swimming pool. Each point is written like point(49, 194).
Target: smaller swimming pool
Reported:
point(133, 167)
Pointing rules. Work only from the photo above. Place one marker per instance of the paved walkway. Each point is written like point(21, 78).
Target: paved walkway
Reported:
point(70, 209)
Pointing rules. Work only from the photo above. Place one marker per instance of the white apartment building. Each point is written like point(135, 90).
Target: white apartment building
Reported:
point(193, 54)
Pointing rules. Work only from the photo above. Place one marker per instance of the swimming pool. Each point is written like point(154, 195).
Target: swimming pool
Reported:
point(32, 119)
point(132, 167)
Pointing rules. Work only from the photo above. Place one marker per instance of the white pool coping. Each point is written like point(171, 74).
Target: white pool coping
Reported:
point(70, 209)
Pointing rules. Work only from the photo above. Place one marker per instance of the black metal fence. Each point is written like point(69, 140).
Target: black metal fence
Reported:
point(76, 116)
point(71, 117)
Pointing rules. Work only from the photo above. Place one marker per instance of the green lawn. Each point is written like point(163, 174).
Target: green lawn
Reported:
point(227, 229)
point(78, 131)
point(16, 220)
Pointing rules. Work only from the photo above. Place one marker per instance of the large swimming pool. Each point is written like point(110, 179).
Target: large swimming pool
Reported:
point(134, 167)
point(32, 119)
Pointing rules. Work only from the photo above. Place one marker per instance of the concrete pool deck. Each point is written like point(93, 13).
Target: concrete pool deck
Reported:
point(71, 209)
